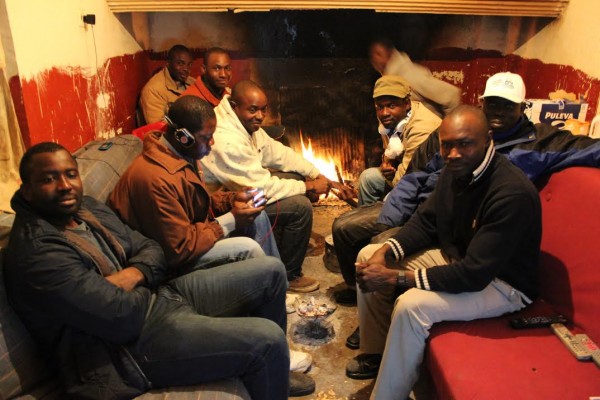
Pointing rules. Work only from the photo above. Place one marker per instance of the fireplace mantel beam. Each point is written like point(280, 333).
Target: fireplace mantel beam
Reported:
point(516, 8)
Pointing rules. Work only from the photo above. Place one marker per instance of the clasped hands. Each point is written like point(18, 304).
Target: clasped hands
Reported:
point(374, 275)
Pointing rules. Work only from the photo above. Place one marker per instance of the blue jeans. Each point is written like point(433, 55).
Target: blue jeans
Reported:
point(216, 323)
point(262, 232)
point(229, 250)
point(372, 186)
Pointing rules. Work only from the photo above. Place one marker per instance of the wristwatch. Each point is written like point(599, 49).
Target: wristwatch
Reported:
point(401, 280)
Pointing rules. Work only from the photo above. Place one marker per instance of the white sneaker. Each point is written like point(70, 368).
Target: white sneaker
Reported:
point(300, 361)
point(290, 299)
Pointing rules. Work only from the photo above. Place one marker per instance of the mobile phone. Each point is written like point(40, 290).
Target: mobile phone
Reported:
point(105, 146)
point(259, 198)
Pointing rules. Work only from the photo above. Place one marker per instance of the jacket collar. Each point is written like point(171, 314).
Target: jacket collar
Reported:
point(160, 154)
point(173, 86)
point(523, 132)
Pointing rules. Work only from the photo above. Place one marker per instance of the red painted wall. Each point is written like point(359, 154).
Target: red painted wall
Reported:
point(540, 78)
point(61, 104)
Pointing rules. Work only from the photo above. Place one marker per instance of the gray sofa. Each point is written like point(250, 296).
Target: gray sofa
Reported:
point(23, 373)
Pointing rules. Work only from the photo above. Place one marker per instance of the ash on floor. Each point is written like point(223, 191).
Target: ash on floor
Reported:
point(329, 359)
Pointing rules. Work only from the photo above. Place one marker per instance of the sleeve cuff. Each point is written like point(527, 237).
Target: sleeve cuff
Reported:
point(227, 222)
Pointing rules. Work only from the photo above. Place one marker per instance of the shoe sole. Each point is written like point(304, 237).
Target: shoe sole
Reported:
point(361, 376)
point(305, 289)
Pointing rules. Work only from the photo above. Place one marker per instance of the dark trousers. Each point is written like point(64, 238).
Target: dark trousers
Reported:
point(354, 230)
point(217, 323)
point(292, 219)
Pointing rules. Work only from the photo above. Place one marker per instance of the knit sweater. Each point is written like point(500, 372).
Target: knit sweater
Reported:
point(489, 228)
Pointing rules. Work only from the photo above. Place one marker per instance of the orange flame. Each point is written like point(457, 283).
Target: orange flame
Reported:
point(325, 167)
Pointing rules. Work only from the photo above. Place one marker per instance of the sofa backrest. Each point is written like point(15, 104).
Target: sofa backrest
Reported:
point(570, 260)
point(100, 170)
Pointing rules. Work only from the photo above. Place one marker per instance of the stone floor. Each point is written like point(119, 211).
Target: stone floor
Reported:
point(329, 359)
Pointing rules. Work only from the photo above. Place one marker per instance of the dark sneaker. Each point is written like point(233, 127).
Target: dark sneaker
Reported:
point(345, 297)
point(301, 384)
point(303, 284)
point(353, 341)
point(363, 366)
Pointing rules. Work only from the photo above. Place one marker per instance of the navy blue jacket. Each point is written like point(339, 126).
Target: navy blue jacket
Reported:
point(536, 149)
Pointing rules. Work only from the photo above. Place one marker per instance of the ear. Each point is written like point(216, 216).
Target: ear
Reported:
point(203, 69)
point(233, 103)
point(26, 191)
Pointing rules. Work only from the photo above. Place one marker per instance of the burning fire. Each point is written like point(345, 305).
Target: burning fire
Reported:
point(325, 167)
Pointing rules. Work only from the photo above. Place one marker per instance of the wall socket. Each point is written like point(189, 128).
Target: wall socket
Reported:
point(89, 19)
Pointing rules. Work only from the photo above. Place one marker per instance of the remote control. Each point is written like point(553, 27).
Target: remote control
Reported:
point(590, 346)
point(536, 322)
point(574, 346)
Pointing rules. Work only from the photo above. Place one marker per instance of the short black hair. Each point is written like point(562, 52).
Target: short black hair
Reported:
point(190, 112)
point(242, 87)
point(178, 48)
point(214, 50)
point(44, 147)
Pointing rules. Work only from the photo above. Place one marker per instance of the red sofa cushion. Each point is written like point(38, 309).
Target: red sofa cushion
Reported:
point(486, 359)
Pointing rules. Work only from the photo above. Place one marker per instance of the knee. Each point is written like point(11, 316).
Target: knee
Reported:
point(250, 246)
point(277, 269)
point(267, 335)
point(411, 307)
point(368, 176)
point(367, 252)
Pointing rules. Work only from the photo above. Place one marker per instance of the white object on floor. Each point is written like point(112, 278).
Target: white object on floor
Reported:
point(290, 300)
point(299, 361)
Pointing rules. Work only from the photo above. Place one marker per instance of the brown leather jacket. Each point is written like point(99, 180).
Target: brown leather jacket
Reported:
point(162, 196)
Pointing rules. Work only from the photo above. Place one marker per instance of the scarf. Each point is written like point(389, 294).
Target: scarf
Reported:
point(94, 252)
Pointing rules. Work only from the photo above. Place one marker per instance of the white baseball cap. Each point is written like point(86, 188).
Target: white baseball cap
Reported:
point(507, 85)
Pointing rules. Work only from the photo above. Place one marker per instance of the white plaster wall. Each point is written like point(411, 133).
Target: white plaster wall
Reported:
point(197, 30)
point(50, 34)
point(573, 39)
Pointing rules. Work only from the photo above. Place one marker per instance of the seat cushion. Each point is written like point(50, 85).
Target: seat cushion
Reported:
point(227, 389)
point(487, 359)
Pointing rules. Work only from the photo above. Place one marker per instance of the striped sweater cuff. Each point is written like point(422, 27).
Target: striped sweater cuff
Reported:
point(421, 280)
point(396, 249)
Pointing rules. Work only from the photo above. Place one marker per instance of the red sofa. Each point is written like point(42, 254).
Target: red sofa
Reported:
point(487, 359)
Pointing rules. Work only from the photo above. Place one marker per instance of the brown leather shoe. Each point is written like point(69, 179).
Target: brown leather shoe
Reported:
point(303, 284)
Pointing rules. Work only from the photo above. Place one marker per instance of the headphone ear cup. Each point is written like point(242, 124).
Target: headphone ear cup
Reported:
point(184, 137)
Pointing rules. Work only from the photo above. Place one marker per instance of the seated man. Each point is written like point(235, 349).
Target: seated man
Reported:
point(216, 74)
point(242, 156)
point(471, 251)
point(162, 195)
point(537, 150)
point(89, 290)
point(167, 84)
point(403, 126)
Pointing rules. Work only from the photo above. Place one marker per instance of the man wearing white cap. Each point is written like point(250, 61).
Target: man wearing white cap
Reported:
point(537, 150)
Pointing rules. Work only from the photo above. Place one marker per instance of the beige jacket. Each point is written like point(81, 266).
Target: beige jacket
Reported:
point(160, 91)
point(421, 124)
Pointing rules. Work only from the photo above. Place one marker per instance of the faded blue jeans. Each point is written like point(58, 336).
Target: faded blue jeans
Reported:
point(372, 186)
point(210, 324)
